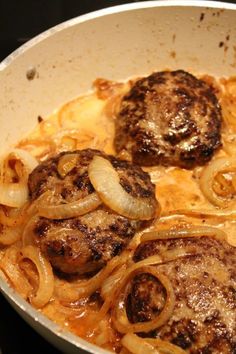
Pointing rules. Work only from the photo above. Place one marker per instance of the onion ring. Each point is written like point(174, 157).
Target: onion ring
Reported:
point(46, 278)
point(13, 194)
point(119, 315)
point(220, 165)
point(105, 181)
point(66, 163)
point(70, 210)
point(137, 345)
point(193, 231)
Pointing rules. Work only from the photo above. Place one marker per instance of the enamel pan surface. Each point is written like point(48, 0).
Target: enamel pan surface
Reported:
point(114, 43)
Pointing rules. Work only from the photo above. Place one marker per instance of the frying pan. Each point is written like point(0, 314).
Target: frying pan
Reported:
point(115, 43)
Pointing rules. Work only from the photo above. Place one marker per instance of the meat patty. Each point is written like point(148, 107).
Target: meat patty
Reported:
point(85, 243)
point(169, 118)
point(204, 282)
point(76, 184)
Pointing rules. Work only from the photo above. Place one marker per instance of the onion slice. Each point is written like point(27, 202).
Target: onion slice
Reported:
point(105, 181)
point(66, 163)
point(9, 264)
point(79, 290)
point(119, 315)
point(8, 236)
point(220, 165)
point(13, 194)
point(193, 231)
point(202, 213)
point(70, 210)
point(46, 278)
point(26, 158)
point(137, 345)
point(16, 194)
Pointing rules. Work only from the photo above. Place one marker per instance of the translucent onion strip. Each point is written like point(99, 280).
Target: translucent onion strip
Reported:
point(10, 267)
point(13, 194)
point(8, 236)
point(16, 194)
point(70, 210)
point(26, 158)
point(46, 278)
point(13, 219)
point(28, 236)
point(105, 181)
point(85, 288)
point(110, 292)
point(119, 315)
point(110, 282)
point(164, 346)
point(193, 231)
point(209, 173)
point(137, 345)
point(201, 213)
point(66, 163)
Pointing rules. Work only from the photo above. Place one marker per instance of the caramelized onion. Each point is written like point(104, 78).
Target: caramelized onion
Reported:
point(13, 194)
point(8, 236)
point(119, 315)
point(193, 231)
point(46, 279)
point(84, 288)
point(26, 158)
point(42, 148)
point(203, 213)
point(10, 267)
point(66, 163)
point(137, 345)
point(105, 181)
point(13, 219)
point(111, 281)
point(16, 194)
point(209, 173)
point(70, 210)
point(28, 237)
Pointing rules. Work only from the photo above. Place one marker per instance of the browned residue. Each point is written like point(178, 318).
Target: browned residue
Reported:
point(202, 17)
point(105, 88)
point(234, 57)
point(224, 44)
point(40, 119)
point(217, 13)
point(173, 54)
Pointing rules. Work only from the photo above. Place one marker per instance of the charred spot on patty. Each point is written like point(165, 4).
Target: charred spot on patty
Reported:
point(84, 244)
point(169, 118)
point(147, 300)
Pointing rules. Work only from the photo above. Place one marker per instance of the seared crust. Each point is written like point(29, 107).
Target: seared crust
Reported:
point(169, 118)
point(86, 243)
point(75, 185)
point(204, 282)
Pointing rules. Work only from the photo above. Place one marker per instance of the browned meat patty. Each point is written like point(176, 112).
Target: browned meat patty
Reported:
point(76, 184)
point(204, 282)
point(169, 118)
point(84, 244)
